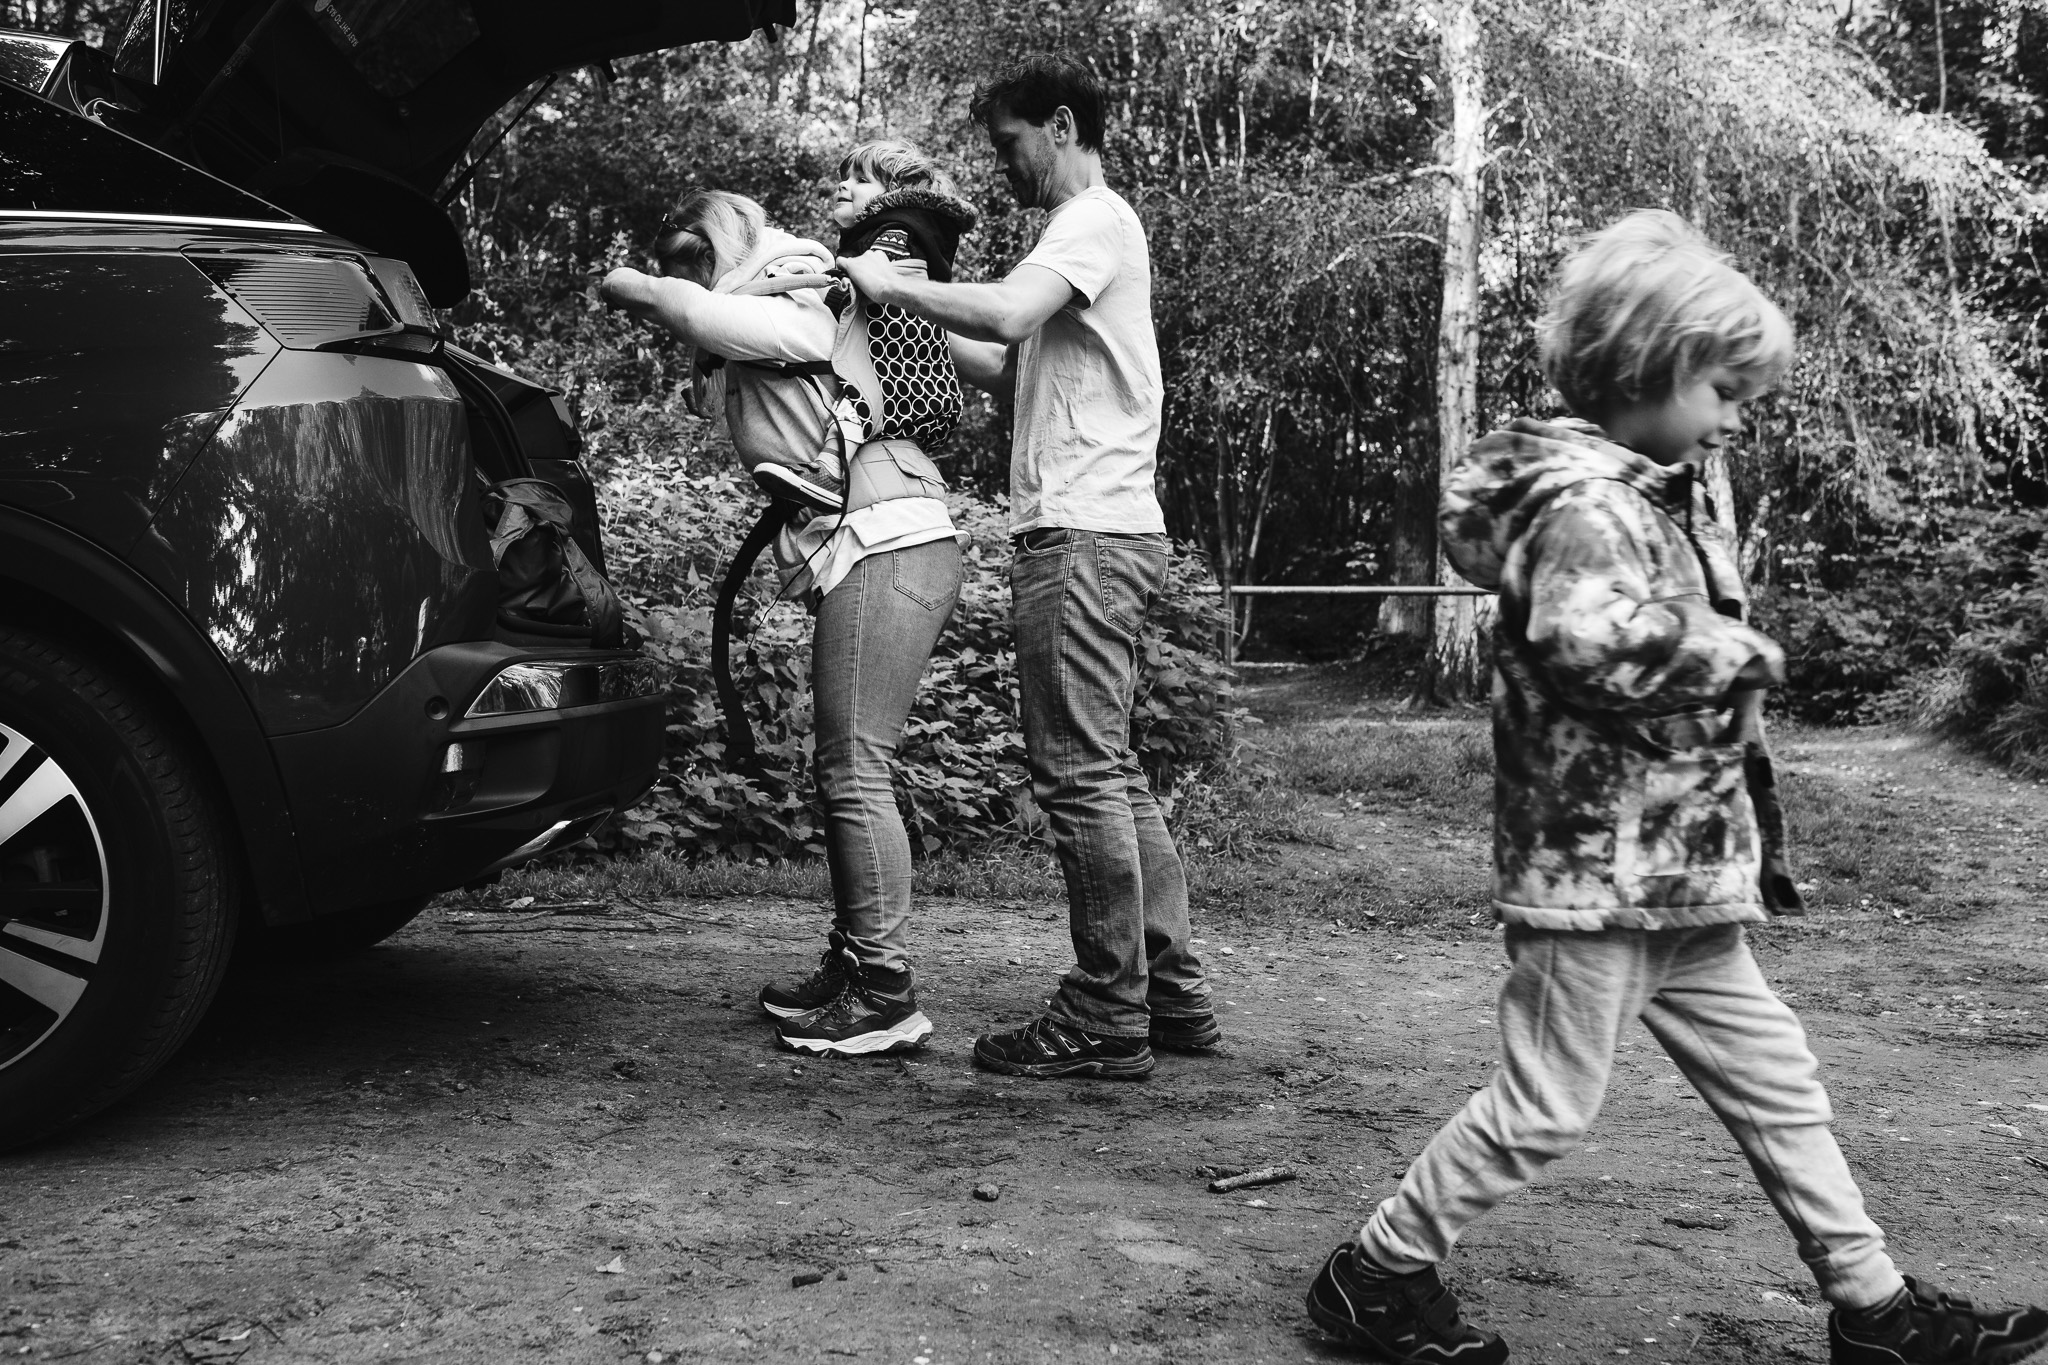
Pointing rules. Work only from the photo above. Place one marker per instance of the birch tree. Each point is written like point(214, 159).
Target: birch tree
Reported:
point(1457, 669)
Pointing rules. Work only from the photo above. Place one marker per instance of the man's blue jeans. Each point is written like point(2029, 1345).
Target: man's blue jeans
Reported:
point(1078, 600)
point(875, 633)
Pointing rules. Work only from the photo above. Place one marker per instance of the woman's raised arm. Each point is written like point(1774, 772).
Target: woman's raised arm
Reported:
point(790, 328)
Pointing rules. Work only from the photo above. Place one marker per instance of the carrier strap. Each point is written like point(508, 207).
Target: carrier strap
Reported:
point(739, 731)
point(768, 288)
point(806, 369)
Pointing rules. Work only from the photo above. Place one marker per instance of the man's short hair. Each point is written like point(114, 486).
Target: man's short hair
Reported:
point(1644, 304)
point(1033, 86)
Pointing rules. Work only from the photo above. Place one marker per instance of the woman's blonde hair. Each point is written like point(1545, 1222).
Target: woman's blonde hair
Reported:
point(709, 233)
point(896, 165)
point(1647, 302)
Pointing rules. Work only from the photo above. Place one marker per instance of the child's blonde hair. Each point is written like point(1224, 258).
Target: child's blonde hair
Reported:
point(896, 165)
point(1647, 302)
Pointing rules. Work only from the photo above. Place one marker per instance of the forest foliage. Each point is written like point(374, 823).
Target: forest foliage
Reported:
point(1881, 173)
point(1880, 166)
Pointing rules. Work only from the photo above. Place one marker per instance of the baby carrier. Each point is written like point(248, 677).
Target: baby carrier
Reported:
point(899, 369)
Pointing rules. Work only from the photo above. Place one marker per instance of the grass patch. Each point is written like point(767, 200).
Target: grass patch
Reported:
point(1874, 871)
point(1364, 817)
point(1442, 764)
point(1001, 874)
point(1281, 891)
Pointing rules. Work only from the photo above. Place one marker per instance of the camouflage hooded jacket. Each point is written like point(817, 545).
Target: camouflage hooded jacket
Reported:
point(1615, 803)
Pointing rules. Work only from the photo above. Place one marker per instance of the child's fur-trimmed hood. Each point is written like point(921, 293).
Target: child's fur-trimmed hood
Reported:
point(955, 210)
point(933, 220)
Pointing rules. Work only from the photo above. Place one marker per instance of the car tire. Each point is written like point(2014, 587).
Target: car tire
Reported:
point(337, 935)
point(118, 886)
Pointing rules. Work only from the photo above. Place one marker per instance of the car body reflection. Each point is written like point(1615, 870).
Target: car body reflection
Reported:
point(329, 533)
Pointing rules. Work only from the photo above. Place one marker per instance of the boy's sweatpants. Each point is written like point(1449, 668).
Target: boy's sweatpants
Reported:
point(1561, 1012)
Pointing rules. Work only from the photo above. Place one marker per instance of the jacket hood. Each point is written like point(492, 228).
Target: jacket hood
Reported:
point(955, 211)
point(934, 221)
point(1496, 492)
point(357, 114)
point(777, 253)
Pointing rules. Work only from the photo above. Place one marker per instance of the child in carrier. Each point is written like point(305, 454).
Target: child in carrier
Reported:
point(896, 372)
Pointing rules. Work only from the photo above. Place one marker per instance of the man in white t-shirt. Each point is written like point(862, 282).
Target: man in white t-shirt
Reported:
point(1068, 335)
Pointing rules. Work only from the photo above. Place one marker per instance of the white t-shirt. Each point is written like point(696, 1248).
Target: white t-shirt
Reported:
point(1088, 389)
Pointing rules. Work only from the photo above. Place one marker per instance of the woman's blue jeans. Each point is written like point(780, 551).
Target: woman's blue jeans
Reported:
point(1078, 601)
point(875, 633)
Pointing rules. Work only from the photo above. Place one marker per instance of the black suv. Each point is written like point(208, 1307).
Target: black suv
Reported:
point(253, 668)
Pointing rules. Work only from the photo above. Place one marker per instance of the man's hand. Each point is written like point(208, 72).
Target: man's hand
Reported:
point(874, 274)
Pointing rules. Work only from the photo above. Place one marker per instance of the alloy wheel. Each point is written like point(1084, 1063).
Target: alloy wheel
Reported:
point(54, 899)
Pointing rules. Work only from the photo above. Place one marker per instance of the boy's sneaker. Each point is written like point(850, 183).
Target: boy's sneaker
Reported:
point(1044, 1047)
point(874, 1012)
point(1926, 1325)
point(1404, 1319)
point(818, 989)
point(814, 487)
point(1186, 1032)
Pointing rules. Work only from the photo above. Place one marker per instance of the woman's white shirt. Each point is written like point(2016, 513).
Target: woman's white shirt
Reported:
point(817, 557)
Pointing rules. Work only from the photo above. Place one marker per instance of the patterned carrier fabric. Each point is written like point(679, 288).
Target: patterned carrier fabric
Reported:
point(920, 388)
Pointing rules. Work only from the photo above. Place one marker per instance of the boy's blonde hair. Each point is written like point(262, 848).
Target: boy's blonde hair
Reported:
point(709, 233)
point(896, 165)
point(1647, 302)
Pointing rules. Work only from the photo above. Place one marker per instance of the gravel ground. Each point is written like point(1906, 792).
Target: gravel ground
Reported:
point(571, 1138)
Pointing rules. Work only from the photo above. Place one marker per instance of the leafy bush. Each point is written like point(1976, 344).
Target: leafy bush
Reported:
point(1991, 692)
point(672, 523)
point(1875, 633)
point(676, 507)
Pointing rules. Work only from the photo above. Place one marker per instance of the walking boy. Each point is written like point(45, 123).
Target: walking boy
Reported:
point(1626, 852)
point(1068, 334)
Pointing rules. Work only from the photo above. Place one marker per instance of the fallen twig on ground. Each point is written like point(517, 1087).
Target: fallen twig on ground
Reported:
point(1265, 1175)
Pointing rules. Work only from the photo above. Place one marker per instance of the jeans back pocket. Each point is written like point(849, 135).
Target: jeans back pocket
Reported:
point(1129, 571)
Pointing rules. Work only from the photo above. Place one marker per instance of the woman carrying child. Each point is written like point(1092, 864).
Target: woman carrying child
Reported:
point(878, 560)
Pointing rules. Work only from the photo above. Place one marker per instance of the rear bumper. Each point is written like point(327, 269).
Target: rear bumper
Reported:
point(414, 795)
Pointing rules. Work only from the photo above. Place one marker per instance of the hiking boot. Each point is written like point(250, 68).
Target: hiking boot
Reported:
point(1044, 1047)
point(1186, 1032)
point(818, 989)
point(875, 1011)
point(1920, 1324)
point(814, 487)
point(1405, 1319)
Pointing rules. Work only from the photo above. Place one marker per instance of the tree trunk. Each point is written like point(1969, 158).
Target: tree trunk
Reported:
point(1457, 668)
point(1414, 538)
point(1226, 536)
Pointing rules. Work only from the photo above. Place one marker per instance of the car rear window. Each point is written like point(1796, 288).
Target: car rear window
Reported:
point(28, 58)
point(53, 160)
point(135, 56)
point(396, 47)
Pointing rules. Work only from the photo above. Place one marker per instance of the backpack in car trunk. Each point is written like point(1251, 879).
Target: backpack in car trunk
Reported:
point(547, 586)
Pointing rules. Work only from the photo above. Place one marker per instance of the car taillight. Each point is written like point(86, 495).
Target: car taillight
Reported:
point(305, 301)
point(563, 684)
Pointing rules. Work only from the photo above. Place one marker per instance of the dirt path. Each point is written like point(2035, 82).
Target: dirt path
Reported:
point(572, 1140)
